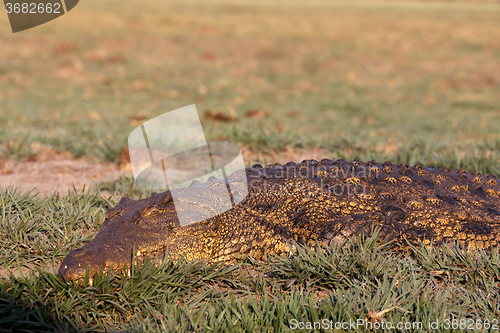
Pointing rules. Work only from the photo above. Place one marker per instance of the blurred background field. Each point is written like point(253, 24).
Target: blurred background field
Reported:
point(405, 81)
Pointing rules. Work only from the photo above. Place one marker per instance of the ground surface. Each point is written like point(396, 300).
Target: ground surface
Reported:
point(408, 81)
point(49, 172)
point(405, 81)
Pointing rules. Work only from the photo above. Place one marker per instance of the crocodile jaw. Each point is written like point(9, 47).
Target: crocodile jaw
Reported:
point(75, 264)
point(142, 226)
point(97, 258)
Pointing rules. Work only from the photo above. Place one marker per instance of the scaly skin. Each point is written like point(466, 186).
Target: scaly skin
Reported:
point(327, 201)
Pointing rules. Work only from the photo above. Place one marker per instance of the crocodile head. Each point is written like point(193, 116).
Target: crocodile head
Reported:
point(153, 225)
point(143, 225)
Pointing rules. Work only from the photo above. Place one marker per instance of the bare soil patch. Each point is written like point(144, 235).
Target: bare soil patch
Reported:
point(54, 172)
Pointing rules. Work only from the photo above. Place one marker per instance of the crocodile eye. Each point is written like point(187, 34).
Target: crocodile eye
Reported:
point(114, 212)
point(395, 212)
point(151, 211)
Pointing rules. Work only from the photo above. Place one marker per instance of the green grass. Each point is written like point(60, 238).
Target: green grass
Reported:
point(351, 282)
point(339, 283)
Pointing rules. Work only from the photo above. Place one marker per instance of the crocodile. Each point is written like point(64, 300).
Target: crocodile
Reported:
point(310, 203)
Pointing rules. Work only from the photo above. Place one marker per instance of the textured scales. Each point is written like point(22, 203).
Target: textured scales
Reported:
point(327, 201)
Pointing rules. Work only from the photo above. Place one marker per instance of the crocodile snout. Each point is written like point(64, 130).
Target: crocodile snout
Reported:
point(76, 262)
